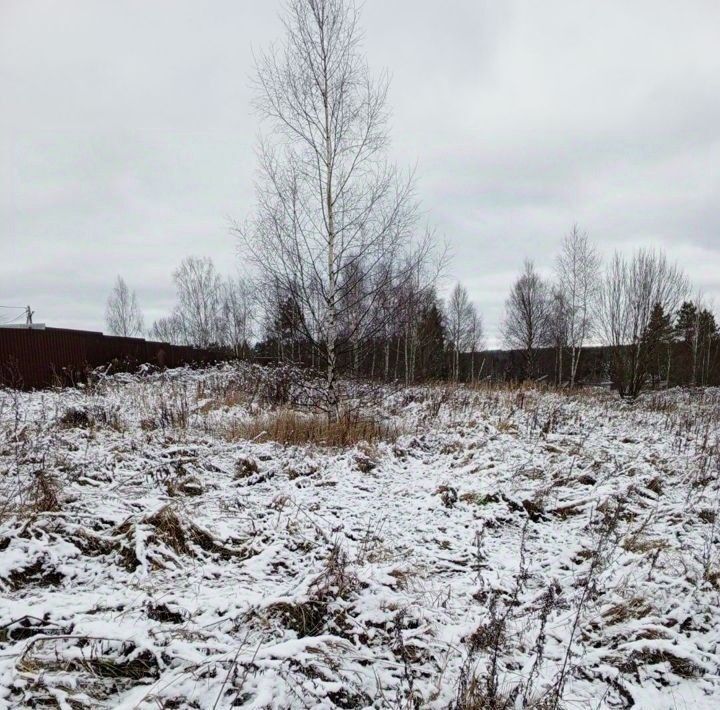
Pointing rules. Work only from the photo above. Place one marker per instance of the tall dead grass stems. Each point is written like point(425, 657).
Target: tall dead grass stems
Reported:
point(287, 426)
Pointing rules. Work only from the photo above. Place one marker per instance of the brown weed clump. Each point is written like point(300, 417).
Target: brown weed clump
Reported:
point(287, 426)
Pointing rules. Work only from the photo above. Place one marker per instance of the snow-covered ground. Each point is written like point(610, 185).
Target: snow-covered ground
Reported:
point(508, 549)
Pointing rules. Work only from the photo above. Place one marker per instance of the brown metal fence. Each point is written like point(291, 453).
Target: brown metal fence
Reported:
point(41, 357)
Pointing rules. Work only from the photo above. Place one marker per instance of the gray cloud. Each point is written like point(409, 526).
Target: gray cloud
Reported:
point(127, 136)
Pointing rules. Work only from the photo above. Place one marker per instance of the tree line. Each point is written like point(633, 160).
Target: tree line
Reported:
point(630, 323)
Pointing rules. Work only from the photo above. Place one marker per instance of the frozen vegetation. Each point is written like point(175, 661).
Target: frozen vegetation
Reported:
point(454, 548)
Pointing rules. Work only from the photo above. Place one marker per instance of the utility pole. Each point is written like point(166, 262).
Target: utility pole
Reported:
point(28, 315)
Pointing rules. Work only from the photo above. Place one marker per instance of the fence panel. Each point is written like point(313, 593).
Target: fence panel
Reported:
point(40, 357)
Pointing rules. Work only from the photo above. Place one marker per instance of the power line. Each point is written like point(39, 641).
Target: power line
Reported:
point(27, 312)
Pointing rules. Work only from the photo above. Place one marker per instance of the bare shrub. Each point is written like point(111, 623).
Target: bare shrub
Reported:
point(43, 493)
point(245, 467)
point(76, 418)
point(322, 608)
point(173, 409)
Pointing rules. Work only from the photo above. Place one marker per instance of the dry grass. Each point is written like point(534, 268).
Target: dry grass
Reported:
point(323, 609)
point(642, 544)
point(226, 400)
point(44, 493)
point(633, 608)
point(290, 427)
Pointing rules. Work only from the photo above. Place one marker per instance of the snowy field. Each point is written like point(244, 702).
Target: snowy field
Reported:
point(493, 549)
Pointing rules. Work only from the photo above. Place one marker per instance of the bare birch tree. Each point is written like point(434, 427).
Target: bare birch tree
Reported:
point(526, 316)
point(631, 290)
point(475, 336)
point(331, 209)
point(387, 327)
point(122, 313)
point(237, 314)
point(557, 329)
point(168, 329)
point(460, 313)
point(578, 279)
point(198, 306)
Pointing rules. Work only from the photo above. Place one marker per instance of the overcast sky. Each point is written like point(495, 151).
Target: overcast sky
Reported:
point(127, 136)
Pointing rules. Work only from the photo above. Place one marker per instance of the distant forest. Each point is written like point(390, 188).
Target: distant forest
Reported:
point(682, 349)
